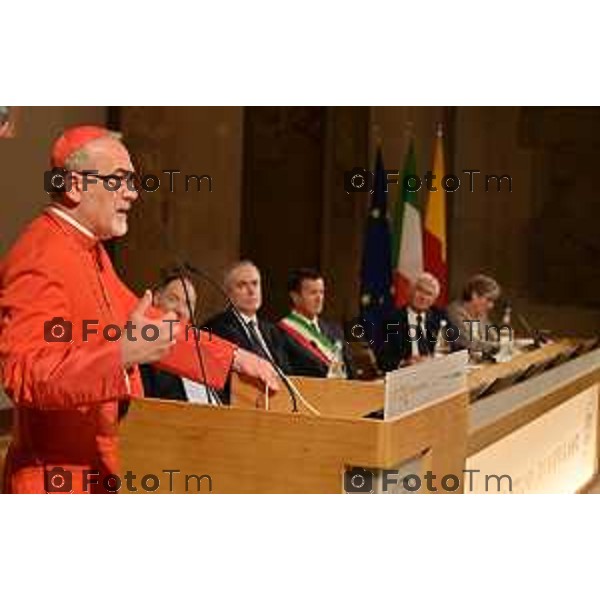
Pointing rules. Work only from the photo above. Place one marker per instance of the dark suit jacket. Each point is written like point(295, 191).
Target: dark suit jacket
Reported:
point(303, 363)
point(160, 384)
point(157, 384)
point(228, 326)
point(398, 347)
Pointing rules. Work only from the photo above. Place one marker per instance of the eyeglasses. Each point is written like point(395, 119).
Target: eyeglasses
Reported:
point(130, 179)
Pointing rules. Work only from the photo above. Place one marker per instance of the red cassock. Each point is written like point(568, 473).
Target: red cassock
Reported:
point(66, 393)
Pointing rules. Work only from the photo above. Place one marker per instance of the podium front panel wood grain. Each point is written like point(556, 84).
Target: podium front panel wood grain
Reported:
point(257, 451)
point(331, 397)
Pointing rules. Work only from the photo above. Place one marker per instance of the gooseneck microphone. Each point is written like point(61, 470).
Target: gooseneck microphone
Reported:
point(539, 336)
point(295, 395)
point(211, 394)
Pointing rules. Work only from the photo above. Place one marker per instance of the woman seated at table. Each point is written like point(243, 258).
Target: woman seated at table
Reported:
point(469, 317)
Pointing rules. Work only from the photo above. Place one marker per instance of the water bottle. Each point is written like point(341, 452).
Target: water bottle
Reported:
point(442, 348)
point(337, 367)
point(506, 337)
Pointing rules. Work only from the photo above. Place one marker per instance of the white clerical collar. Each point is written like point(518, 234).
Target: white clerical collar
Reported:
point(59, 212)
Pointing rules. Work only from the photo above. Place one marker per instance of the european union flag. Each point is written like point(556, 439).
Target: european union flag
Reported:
point(376, 273)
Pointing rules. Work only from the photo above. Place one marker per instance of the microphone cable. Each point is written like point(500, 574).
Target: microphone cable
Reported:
point(211, 394)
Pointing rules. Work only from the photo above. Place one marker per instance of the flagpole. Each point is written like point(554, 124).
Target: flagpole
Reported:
point(377, 137)
point(409, 131)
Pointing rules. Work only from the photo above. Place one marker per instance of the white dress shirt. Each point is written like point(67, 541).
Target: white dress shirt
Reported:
point(314, 321)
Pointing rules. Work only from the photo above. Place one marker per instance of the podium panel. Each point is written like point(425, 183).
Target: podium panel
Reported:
point(553, 454)
point(542, 433)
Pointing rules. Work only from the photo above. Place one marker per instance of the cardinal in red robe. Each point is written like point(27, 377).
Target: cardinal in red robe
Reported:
point(66, 356)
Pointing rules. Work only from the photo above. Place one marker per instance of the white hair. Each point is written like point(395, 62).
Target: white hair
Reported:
point(428, 281)
point(234, 267)
point(77, 159)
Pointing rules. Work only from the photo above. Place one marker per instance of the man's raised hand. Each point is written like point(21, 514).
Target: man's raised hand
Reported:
point(136, 349)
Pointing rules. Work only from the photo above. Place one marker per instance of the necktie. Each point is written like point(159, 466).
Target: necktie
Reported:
point(422, 344)
point(257, 346)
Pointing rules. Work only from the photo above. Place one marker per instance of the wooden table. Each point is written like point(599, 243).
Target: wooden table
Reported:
point(484, 375)
point(364, 397)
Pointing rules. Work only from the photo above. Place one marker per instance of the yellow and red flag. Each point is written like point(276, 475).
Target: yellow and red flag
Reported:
point(435, 246)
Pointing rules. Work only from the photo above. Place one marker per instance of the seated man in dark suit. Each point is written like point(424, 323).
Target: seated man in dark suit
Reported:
point(170, 295)
point(315, 347)
point(412, 330)
point(246, 329)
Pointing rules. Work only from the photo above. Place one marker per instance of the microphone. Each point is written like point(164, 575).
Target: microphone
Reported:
point(539, 336)
point(295, 395)
point(211, 394)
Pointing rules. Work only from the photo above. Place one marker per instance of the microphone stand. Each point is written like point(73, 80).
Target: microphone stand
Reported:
point(539, 336)
point(211, 394)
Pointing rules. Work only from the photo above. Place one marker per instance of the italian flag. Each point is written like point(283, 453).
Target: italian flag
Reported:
point(435, 223)
point(407, 232)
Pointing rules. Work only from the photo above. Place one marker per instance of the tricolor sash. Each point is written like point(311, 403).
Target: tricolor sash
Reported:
point(309, 337)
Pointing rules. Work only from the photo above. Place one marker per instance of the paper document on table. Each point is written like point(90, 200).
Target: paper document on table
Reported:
point(410, 388)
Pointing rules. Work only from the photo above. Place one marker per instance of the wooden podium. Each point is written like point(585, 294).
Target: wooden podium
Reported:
point(245, 449)
point(542, 430)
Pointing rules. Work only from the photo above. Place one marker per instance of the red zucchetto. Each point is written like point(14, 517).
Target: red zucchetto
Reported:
point(72, 140)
